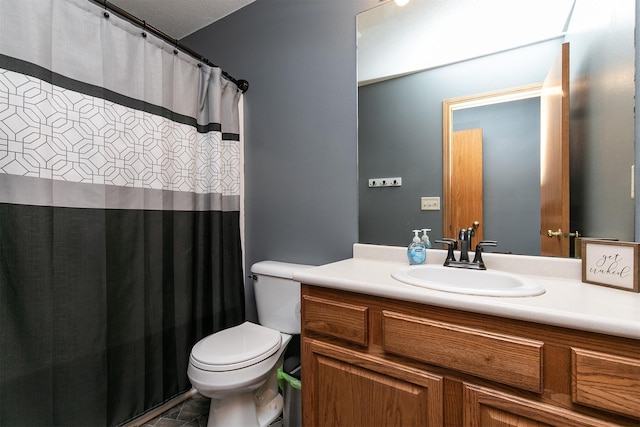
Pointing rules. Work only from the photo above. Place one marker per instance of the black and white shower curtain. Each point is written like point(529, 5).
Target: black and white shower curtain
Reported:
point(119, 214)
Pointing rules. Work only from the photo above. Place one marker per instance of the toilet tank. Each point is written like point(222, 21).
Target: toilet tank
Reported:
point(277, 295)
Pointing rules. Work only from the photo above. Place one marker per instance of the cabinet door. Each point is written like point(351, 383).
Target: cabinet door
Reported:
point(343, 387)
point(606, 381)
point(484, 407)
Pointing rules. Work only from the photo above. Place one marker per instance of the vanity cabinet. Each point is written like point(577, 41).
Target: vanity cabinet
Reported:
point(373, 361)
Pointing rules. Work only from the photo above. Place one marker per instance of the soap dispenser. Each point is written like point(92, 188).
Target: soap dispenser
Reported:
point(425, 238)
point(416, 252)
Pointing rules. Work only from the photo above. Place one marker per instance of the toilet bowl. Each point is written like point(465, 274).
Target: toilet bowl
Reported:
point(237, 367)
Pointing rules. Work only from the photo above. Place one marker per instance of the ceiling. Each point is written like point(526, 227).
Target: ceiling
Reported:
point(395, 40)
point(179, 18)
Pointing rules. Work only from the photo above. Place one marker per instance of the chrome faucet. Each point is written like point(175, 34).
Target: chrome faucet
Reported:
point(465, 237)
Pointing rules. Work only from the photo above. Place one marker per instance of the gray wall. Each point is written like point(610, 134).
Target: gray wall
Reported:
point(299, 56)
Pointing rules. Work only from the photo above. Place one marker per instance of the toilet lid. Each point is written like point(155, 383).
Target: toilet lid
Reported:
point(236, 347)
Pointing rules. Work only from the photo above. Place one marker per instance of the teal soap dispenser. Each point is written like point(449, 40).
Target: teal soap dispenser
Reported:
point(416, 251)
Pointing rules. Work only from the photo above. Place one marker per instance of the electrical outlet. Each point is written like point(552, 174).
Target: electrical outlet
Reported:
point(430, 203)
point(385, 182)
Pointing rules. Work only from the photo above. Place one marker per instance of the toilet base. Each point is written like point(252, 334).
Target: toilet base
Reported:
point(240, 410)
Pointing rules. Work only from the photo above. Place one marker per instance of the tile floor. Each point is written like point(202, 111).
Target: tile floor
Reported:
point(190, 413)
point(193, 412)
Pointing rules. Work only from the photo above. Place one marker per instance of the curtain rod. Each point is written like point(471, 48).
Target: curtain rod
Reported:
point(242, 85)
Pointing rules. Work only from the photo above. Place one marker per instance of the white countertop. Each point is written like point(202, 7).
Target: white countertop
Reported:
point(567, 302)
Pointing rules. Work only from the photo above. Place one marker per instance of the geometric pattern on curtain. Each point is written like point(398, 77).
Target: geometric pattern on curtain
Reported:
point(82, 138)
point(119, 214)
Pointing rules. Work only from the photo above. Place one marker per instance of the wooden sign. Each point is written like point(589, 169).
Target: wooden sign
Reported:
point(611, 263)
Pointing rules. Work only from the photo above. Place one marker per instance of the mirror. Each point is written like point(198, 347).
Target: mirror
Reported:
point(400, 119)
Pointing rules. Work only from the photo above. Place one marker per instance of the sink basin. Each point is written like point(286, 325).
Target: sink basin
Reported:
point(471, 282)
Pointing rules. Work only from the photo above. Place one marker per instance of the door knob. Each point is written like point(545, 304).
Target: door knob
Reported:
point(551, 233)
point(559, 233)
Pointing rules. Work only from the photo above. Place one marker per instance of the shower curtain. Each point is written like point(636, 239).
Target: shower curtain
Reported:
point(119, 214)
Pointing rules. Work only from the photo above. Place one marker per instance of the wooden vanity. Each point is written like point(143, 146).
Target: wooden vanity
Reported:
point(376, 361)
point(379, 353)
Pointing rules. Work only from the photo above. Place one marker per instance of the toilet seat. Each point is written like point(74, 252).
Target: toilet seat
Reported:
point(235, 348)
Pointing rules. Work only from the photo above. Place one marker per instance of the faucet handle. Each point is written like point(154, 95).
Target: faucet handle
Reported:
point(449, 242)
point(488, 243)
point(451, 245)
point(477, 259)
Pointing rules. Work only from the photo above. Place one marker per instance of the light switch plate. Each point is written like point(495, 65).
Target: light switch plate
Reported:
point(430, 203)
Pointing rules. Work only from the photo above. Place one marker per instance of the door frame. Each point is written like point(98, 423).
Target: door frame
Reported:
point(470, 101)
point(554, 151)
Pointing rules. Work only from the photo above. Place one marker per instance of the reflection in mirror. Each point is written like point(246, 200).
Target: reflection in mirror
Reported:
point(400, 120)
point(497, 136)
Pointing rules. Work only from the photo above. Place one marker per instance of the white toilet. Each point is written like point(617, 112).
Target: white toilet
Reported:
point(237, 367)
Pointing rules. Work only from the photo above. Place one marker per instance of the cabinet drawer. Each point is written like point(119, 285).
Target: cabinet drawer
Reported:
point(336, 319)
point(605, 381)
point(506, 359)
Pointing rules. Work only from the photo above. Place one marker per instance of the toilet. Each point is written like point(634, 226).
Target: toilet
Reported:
point(237, 367)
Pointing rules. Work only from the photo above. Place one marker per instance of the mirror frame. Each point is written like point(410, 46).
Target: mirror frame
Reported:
point(471, 101)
